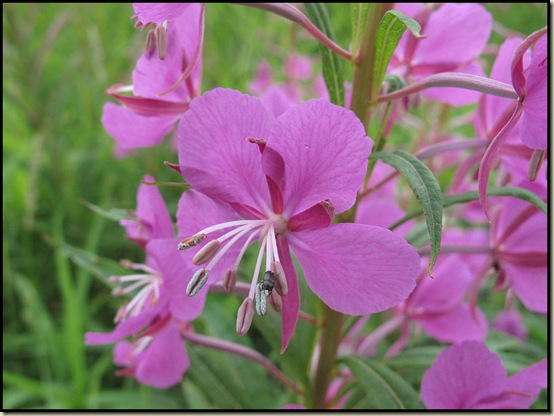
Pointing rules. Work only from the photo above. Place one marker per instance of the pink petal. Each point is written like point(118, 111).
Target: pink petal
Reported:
point(164, 361)
point(124, 329)
point(176, 269)
point(530, 284)
point(534, 121)
point(382, 212)
point(152, 215)
point(159, 12)
point(446, 291)
point(522, 389)
point(357, 269)
point(123, 354)
point(291, 302)
point(215, 157)
point(197, 211)
point(131, 130)
point(461, 376)
point(456, 35)
point(277, 100)
point(153, 76)
point(456, 325)
point(325, 150)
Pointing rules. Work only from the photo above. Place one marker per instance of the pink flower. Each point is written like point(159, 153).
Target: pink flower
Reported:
point(281, 180)
point(456, 35)
point(154, 317)
point(162, 88)
point(157, 311)
point(519, 235)
point(530, 85)
point(470, 376)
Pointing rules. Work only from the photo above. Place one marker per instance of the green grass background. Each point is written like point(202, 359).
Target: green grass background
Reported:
point(57, 61)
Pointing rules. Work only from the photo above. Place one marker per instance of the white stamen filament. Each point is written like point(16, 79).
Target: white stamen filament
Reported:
point(257, 269)
point(223, 250)
point(229, 225)
point(244, 247)
point(136, 304)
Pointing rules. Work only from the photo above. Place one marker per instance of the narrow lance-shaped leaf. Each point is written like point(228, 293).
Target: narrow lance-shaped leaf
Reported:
point(426, 189)
point(331, 64)
point(358, 13)
point(470, 196)
point(384, 388)
point(392, 27)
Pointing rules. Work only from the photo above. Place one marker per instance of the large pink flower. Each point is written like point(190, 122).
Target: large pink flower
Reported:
point(470, 376)
point(281, 180)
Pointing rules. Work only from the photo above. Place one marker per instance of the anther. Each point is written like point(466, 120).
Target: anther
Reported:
point(191, 241)
point(276, 301)
point(197, 281)
point(245, 315)
point(206, 253)
point(281, 286)
point(230, 280)
point(150, 41)
point(260, 296)
point(161, 41)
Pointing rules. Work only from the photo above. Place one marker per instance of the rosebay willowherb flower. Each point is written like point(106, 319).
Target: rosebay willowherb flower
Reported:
point(281, 180)
point(469, 376)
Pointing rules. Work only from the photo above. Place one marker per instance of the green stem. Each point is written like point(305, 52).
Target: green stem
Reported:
point(329, 341)
point(379, 143)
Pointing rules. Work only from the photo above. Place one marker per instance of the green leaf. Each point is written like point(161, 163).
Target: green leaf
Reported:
point(390, 30)
point(383, 387)
point(426, 189)
point(332, 66)
point(470, 196)
point(358, 13)
point(112, 214)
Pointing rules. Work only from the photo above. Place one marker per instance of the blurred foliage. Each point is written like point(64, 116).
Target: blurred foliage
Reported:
point(57, 61)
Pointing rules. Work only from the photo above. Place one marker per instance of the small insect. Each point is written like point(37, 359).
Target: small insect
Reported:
point(263, 290)
point(268, 282)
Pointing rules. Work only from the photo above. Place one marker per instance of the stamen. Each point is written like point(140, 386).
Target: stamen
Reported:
point(230, 280)
point(245, 315)
point(281, 285)
point(161, 41)
point(197, 281)
point(191, 241)
point(276, 301)
point(206, 253)
point(257, 269)
point(260, 297)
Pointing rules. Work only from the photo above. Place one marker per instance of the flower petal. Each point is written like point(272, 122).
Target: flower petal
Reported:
point(165, 360)
point(533, 128)
point(291, 302)
point(153, 76)
point(176, 268)
point(215, 157)
point(456, 325)
point(456, 35)
point(124, 329)
point(131, 130)
point(325, 150)
point(461, 376)
point(357, 269)
point(159, 12)
point(153, 220)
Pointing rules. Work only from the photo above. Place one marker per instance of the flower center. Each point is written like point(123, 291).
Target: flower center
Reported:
point(241, 232)
point(146, 286)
